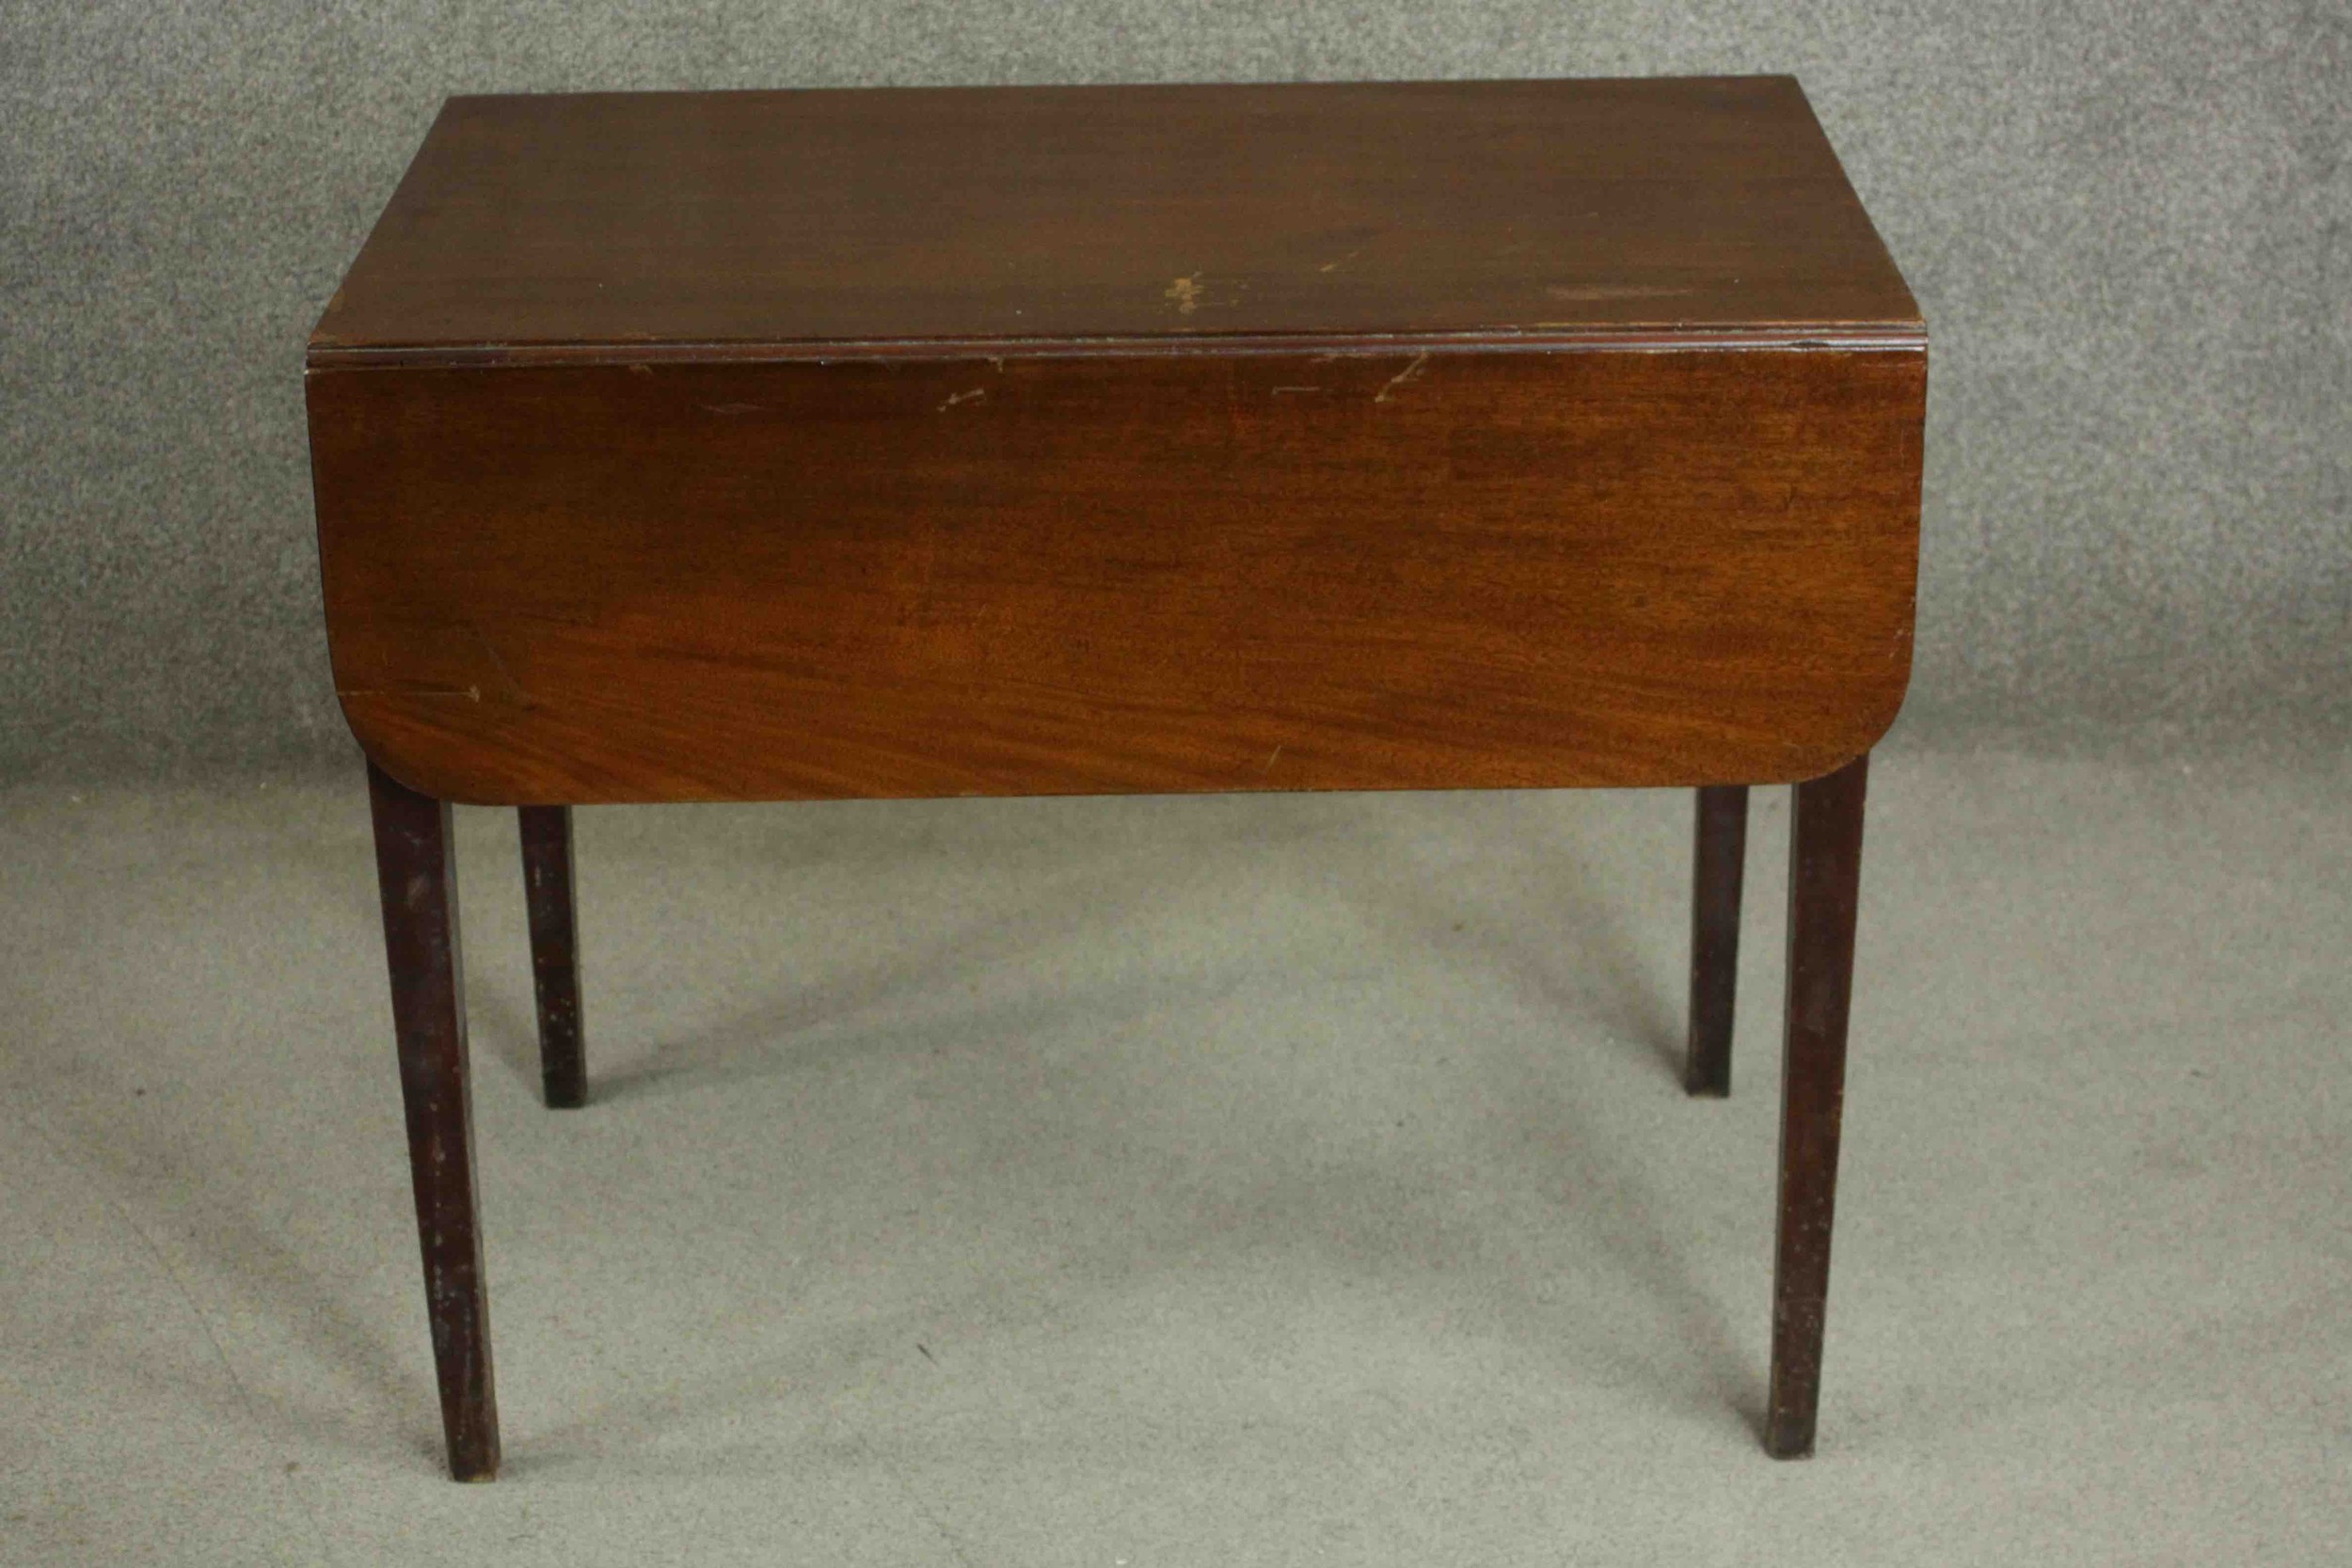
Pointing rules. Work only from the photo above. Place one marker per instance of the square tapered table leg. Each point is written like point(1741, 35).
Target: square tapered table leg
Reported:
point(416, 870)
point(1824, 886)
point(1719, 856)
point(547, 892)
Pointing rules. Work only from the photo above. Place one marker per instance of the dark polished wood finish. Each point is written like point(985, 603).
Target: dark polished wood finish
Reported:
point(1824, 894)
point(941, 442)
point(417, 871)
point(1718, 858)
point(698, 447)
point(593, 584)
point(547, 893)
point(935, 216)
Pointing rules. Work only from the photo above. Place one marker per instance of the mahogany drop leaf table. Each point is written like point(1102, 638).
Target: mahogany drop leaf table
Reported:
point(773, 446)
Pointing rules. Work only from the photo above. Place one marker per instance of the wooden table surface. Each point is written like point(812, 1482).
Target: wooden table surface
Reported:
point(780, 445)
point(928, 216)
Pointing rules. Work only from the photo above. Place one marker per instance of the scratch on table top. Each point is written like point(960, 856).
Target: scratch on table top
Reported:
point(1615, 290)
point(498, 663)
point(1401, 377)
point(954, 398)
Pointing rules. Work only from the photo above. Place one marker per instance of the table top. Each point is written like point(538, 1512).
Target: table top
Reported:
point(822, 222)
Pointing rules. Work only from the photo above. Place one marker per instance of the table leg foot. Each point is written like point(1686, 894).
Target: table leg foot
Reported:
point(1824, 885)
point(1719, 854)
point(416, 870)
point(546, 838)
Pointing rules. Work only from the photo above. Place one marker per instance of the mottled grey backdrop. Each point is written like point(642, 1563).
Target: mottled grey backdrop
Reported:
point(2127, 223)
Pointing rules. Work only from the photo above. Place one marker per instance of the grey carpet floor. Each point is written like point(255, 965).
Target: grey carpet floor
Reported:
point(1236, 1181)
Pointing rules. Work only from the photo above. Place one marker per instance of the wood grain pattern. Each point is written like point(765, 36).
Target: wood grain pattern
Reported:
point(1051, 441)
point(1106, 213)
point(1081, 574)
